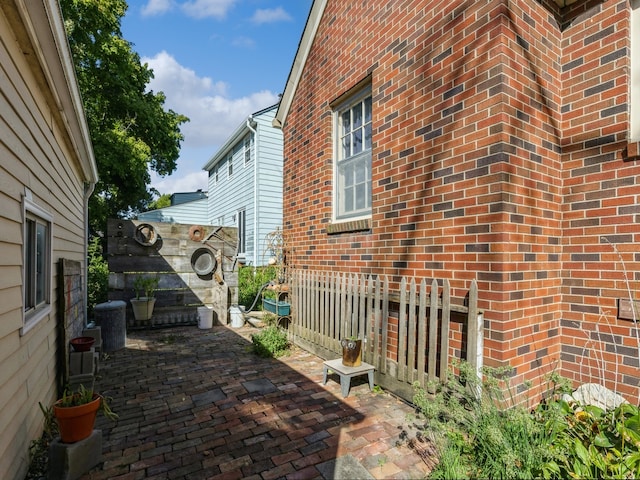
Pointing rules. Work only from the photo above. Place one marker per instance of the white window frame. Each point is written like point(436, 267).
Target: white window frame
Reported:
point(230, 166)
point(342, 212)
point(247, 151)
point(242, 230)
point(634, 77)
point(34, 310)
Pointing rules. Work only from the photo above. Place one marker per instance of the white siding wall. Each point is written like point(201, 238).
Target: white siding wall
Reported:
point(33, 154)
point(269, 178)
point(194, 212)
point(229, 195)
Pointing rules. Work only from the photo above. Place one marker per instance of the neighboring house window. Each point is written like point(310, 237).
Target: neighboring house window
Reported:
point(216, 173)
point(37, 264)
point(634, 81)
point(242, 231)
point(352, 192)
point(247, 150)
point(221, 220)
point(230, 166)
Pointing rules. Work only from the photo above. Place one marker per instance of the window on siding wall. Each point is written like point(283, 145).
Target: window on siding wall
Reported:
point(230, 166)
point(247, 150)
point(352, 173)
point(37, 264)
point(216, 173)
point(634, 93)
point(242, 231)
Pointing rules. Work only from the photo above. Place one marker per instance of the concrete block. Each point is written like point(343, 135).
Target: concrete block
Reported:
point(69, 461)
point(95, 332)
point(82, 363)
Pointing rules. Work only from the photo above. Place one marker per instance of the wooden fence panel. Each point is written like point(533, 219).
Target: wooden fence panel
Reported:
point(330, 306)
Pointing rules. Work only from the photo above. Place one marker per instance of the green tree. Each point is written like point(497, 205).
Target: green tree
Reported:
point(161, 202)
point(130, 130)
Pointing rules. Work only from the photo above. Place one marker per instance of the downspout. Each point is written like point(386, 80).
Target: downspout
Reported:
point(255, 192)
point(88, 191)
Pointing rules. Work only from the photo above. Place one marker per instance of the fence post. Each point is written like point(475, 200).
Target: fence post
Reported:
point(475, 329)
point(444, 331)
point(433, 333)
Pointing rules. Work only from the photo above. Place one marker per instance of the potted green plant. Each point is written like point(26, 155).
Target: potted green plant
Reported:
point(144, 301)
point(351, 351)
point(76, 413)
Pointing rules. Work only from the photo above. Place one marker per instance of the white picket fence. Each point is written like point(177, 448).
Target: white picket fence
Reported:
point(410, 335)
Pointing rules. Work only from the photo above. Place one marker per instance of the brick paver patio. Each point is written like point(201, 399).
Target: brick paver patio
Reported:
point(198, 404)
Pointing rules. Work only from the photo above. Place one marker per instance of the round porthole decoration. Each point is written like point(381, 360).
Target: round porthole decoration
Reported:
point(203, 261)
point(145, 235)
point(196, 233)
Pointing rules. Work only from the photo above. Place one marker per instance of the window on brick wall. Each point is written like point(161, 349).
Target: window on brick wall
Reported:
point(634, 86)
point(37, 263)
point(352, 144)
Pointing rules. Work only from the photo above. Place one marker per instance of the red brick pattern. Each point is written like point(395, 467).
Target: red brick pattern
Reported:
point(499, 134)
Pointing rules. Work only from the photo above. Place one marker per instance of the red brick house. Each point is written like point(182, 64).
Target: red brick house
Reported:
point(493, 140)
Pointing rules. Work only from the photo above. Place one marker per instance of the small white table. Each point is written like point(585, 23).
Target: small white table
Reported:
point(346, 373)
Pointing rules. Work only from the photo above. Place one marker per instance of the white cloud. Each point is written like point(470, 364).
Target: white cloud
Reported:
point(213, 115)
point(208, 8)
point(189, 182)
point(243, 42)
point(270, 15)
point(156, 7)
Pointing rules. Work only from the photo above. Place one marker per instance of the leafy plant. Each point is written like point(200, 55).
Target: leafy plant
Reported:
point(145, 286)
point(83, 396)
point(476, 435)
point(270, 342)
point(39, 448)
point(592, 443)
point(480, 437)
point(250, 281)
point(97, 274)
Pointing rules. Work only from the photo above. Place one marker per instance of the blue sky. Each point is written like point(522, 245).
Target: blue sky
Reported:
point(217, 61)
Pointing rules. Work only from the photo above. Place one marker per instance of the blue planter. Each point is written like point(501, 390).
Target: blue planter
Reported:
point(279, 308)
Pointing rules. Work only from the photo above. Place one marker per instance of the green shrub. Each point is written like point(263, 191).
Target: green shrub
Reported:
point(270, 342)
point(478, 437)
point(250, 280)
point(97, 275)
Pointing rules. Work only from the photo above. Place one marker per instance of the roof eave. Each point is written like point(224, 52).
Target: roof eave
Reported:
point(45, 25)
point(308, 35)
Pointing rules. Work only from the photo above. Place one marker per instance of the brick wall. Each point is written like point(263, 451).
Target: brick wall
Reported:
point(600, 196)
point(498, 132)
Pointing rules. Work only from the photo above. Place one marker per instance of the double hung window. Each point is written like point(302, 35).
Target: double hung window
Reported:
point(37, 263)
point(247, 151)
point(352, 192)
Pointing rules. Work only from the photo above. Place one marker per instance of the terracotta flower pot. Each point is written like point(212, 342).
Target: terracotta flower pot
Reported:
point(76, 423)
point(351, 352)
point(82, 344)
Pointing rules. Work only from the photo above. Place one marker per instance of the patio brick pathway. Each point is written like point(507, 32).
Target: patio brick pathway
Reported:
point(198, 404)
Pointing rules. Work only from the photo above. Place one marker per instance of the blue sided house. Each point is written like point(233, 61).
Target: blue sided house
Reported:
point(245, 185)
